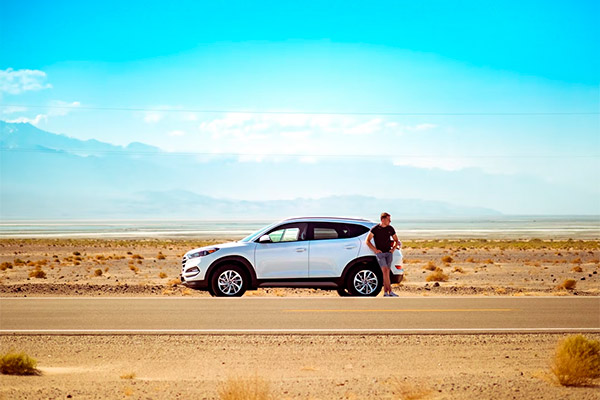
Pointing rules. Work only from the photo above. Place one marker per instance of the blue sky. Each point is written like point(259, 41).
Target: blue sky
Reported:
point(444, 61)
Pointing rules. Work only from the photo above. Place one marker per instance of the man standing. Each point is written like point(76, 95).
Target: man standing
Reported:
point(385, 244)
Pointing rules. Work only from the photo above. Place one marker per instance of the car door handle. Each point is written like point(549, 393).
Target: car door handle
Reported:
point(350, 247)
point(301, 249)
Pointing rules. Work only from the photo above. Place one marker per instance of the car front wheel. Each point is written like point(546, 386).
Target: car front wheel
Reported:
point(229, 281)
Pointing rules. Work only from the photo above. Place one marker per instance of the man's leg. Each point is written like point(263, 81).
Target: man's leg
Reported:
point(387, 286)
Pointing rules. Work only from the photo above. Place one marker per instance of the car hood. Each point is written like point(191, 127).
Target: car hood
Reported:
point(221, 246)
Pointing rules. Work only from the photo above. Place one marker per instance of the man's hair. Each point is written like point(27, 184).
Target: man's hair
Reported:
point(384, 215)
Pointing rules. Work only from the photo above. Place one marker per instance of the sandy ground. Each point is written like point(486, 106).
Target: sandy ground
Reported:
point(495, 366)
point(151, 267)
point(294, 366)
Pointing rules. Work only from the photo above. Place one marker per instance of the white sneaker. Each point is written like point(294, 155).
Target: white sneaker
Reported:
point(392, 294)
point(387, 295)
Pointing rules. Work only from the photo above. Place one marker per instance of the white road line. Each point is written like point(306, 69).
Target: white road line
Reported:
point(317, 330)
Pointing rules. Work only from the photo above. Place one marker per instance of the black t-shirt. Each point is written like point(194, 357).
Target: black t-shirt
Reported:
point(383, 237)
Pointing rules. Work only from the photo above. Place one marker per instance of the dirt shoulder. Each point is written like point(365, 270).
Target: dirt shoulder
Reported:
point(295, 366)
point(95, 267)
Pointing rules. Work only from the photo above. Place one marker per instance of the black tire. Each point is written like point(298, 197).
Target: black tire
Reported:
point(364, 281)
point(209, 288)
point(229, 281)
point(342, 291)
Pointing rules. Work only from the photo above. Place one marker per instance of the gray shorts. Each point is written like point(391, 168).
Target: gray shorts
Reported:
point(384, 259)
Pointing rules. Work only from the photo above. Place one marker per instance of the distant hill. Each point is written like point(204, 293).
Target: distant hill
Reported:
point(47, 175)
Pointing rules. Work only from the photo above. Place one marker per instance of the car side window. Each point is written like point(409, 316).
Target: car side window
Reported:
point(289, 233)
point(334, 230)
point(325, 233)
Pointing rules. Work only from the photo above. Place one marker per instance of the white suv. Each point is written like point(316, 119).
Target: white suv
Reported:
point(314, 252)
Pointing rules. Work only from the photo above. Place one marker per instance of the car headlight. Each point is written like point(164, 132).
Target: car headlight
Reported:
point(202, 253)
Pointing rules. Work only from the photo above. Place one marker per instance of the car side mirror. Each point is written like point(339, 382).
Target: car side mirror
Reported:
point(265, 239)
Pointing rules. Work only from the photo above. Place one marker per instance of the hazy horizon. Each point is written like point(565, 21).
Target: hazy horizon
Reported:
point(272, 102)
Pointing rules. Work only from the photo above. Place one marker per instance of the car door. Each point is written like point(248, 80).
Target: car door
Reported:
point(286, 256)
point(332, 246)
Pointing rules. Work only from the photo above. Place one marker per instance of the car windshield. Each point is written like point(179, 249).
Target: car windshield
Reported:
point(255, 235)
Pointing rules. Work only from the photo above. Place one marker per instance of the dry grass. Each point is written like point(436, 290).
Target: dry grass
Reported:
point(458, 269)
point(576, 361)
point(162, 275)
point(128, 375)
point(430, 266)
point(174, 282)
point(137, 256)
point(437, 276)
point(255, 388)
point(38, 272)
point(447, 259)
point(161, 256)
point(5, 265)
point(18, 364)
point(98, 272)
point(134, 268)
point(577, 268)
point(409, 391)
point(568, 284)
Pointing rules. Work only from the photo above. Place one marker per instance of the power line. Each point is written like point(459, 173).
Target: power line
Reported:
point(365, 113)
point(159, 152)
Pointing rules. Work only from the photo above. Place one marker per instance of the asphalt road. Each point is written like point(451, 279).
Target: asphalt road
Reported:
point(156, 315)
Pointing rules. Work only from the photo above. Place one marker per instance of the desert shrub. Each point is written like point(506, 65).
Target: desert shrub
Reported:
point(98, 272)
point(18, 364)
point(447, 259)
point(409, 391)
point(489, 261)
point(76, 253)
point(5, 265)
point(576, 261)
point(430, 266)
point(174, 282)
point(437, 276)
point(576, 361)
point(38, 272)
point(137, 256)
point(471, 260)
point(568, 284)
point(18, 261)
point(161, 256)
point(255, 388)
point(577, 268)
point(134, 268)
point(162, 275)
point(458, 269)
point(128, 375)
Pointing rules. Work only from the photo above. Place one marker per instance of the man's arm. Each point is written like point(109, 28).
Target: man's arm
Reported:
point(368, 241)
point(396, 244)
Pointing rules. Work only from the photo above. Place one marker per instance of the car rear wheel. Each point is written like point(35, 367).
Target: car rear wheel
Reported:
point(229, 281)
point(365, 281)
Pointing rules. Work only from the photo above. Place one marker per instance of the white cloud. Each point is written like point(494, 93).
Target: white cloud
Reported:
point(177, 133)
point(153, 117)
point(22, 80)
point(57, 108)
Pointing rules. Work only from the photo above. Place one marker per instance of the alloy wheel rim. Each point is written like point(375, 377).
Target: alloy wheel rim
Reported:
point(365, 281)
point(230, 282)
